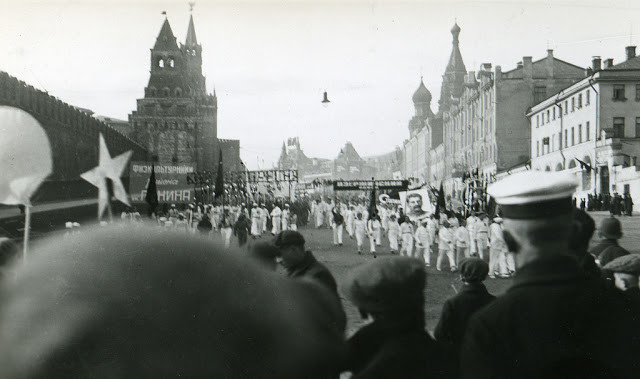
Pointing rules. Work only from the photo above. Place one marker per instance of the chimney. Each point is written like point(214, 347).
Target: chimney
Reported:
point(498, 73)
point(596, 63)
point(550, 64)
point(631, 52)
point(550, 52)
point(608, 63)
point(527, 66)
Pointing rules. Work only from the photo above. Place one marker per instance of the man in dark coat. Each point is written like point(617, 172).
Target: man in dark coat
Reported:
point(554, 321)
point(300, 262)
point(628, 204)
point(608, 249)
point(458, 309)
point(395, 345)
point(241, 229)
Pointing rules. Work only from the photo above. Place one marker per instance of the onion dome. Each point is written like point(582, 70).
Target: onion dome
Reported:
point(422, 94)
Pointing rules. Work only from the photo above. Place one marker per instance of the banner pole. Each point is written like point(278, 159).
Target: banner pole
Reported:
point(27, 227)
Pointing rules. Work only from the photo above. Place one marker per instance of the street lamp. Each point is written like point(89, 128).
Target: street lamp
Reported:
point(325, 100)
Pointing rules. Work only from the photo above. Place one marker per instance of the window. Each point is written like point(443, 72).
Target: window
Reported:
point(548, 114)
point(573, 104)
point(579, 101)
point(554, 113)
point(566, 138)
point(637, 92)
point(573, 136)
point(580, 133)
point(161, 63)
point(618, 92)
point(588, 100)
point(170, 62)
point(566, 107)
point(618, 127)
point(539, 94)
point(542, 118)
point(587, 131)
point(537, 120)
point(637, 127)
point(537, 148)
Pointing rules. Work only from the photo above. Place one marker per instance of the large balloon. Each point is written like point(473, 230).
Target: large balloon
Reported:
point(25, 156)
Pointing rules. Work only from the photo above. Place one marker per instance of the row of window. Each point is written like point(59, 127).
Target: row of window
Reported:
point(166, 62)
point(548, 144)
point(165, 92)
point(576, 103)
point(619, 92)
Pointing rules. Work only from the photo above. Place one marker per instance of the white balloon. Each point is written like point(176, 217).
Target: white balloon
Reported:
point(25, 156)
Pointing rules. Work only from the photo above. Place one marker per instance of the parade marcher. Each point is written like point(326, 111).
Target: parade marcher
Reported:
point(471, 221)
point(204, 225)
point(482, 236)
point(423, 243)
point(432, 228)
point(181, 223)
point(337, 223)
point(264, 215)
point(377, 230)
point(276, 220)
point(462, 242)
point(393, 232)
point(608, 249)
point(553, 321)
point(457, 310)
point(255, 221)
point(406, 233)
point(373, 227)
point(360, 230)
point(498, 251)
point(390, 291)
point(349, 219)
point(293, 223)
point(241, 229)
point(173, 213)
point(626, 270)
point(286, 213)
point(445, 247)
point(226, 228)
point(161, 305)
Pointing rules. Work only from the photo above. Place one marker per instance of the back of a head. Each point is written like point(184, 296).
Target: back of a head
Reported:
point(582, 231)
point(264, 253)
point(112, 303)
point(289, 238)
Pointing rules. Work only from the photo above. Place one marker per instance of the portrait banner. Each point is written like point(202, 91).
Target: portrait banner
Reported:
point(417, 204)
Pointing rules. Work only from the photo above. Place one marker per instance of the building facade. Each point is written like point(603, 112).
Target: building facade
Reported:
point(177, 120)
point(592, 129)
point(486, 129)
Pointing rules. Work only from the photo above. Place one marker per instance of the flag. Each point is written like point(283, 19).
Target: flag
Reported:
point(372, 203)
point(441, 206)
point(220, 178)
point(152, 192)
point(491, 208)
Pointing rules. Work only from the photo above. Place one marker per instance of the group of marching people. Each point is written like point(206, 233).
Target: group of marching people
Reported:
point(450, 236)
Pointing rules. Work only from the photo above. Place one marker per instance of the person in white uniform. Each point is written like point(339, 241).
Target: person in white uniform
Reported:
point(359, 230)
point(255, 221)
point(498, 249)
point(423, 243)
point(286, 214)
point(406, 233)
point(276, 220)
point(393, 232)
point(445, 247)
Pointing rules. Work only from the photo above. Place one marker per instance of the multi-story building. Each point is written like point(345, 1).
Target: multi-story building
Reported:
point(592, 128)
point(177, 120)
point(486, 127)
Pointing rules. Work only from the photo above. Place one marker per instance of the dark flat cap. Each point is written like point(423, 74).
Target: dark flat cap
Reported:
point(473, 270)
point(628, 264)
point(610, 228)
point(390, 283)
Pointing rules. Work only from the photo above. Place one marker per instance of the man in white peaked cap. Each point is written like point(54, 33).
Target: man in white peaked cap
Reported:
point(554, 321)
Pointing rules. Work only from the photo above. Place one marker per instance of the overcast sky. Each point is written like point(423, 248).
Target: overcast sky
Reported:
point(270, 61)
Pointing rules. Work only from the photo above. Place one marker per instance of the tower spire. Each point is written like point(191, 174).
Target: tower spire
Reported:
point(191, 40)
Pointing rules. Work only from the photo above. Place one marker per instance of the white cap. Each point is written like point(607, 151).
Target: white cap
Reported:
point(76, 225)
point(68, 225)
point(533, 187)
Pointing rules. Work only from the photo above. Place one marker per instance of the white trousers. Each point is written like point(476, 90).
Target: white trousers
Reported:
point(441, 255)
point(497, 262)
point(337, 234)
point(424, 252)
point(359, 240)
point(393, 241)
point(277, 226)
point(372, 243)
point(226, 236)
point(407, 245)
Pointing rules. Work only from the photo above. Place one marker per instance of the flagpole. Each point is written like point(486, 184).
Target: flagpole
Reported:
point(27, 227)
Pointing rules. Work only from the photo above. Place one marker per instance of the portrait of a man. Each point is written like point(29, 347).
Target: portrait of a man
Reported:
point(414, 207)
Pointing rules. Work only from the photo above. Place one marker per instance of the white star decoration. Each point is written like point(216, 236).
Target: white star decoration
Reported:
point(108, 168)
